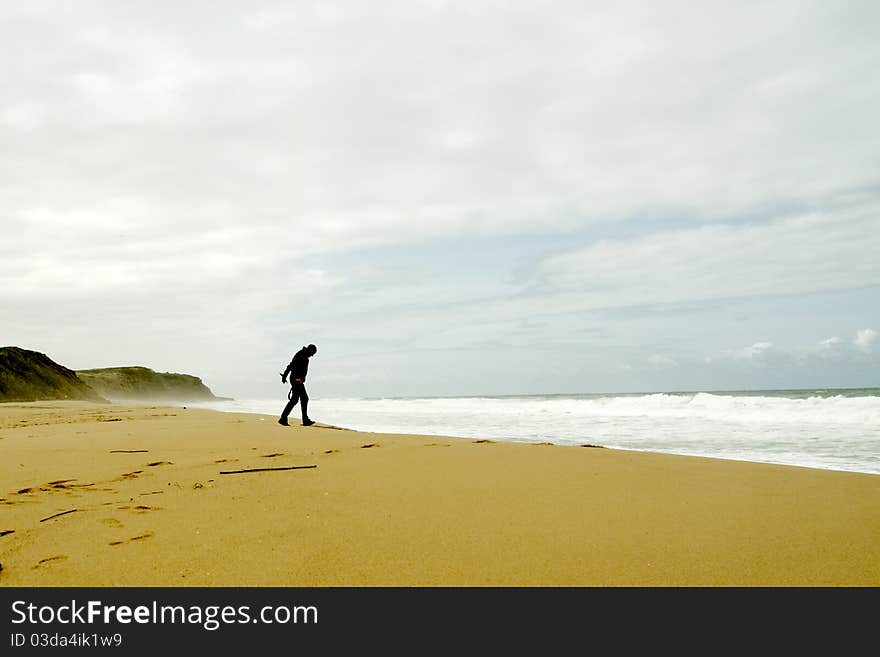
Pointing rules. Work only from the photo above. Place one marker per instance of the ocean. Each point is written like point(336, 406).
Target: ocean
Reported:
point(833, 429)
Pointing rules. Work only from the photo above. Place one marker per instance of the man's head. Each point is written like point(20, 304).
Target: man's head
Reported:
point(312, 350)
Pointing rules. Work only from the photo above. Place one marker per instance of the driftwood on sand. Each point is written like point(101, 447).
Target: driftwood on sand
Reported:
point(292, 467)
point(63, 513)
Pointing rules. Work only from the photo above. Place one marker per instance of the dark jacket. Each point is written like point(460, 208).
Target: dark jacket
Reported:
point(299, 366)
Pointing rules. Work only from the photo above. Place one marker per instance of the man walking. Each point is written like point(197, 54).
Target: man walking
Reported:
point(297, 369)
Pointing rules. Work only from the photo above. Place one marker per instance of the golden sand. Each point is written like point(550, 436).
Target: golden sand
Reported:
point(87, 507)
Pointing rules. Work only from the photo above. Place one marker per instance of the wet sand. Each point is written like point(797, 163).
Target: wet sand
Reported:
point(112, 495)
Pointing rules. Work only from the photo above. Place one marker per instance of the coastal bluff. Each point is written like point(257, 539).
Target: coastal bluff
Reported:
point(141, 383)
point(27, 375)
point(31, 376)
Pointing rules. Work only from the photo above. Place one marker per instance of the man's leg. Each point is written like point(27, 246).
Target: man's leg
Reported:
point(304, 404)
point(293, 399)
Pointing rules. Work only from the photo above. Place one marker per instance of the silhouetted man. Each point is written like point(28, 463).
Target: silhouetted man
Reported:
point(298, 368)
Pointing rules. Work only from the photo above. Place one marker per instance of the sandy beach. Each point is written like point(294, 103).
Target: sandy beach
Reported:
point(95, 495)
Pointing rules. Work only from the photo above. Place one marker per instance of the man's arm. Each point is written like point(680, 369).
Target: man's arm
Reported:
point(286, 372)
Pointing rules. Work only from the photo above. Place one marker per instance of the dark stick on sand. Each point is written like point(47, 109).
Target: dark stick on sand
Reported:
point(128, 451)
point(63, 513)
point(7, 531)
point(292, 467)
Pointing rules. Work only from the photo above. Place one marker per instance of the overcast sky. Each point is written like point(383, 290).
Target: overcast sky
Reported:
point(446, 197)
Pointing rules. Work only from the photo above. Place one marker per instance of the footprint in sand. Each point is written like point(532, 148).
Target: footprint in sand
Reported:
point(155, 463)
point(26, 498)
point(60, 485)
point(86, 487)
point(140, 508)
point(332, 451)
point(484, 440)
point(225, 460)
point(113, 522)
point(438, 445)
point(139, 537)
point(128, 475)
point(49, 560)
point(272, 455)
point(368, 445)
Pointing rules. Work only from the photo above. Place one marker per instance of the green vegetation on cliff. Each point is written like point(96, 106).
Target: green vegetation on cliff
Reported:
point(31, 376)
point(143, 384)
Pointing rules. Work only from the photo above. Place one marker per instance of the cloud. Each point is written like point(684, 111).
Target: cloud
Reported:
point(865, 339)
point(829, 349)
point(661, 361)
point(753, 352)
point(805, 253)
point(756, 353)
point(309, 129)
point(826, 352)
point(363, 126)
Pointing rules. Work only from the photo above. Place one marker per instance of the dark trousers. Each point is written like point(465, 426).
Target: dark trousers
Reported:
point(297, 394)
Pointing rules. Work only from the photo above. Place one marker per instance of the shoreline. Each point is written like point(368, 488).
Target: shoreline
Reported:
point(402, 510)
point(817, 456)
point(523, 441)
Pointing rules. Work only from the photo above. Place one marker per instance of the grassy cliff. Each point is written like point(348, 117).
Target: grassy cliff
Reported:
point(31, 376)
point(143, 384)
